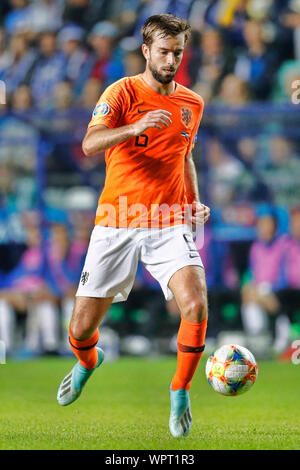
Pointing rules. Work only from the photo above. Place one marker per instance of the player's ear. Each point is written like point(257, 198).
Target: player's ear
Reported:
point(146, 51)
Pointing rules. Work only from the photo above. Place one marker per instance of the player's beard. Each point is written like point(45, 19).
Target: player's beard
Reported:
point(162, 78)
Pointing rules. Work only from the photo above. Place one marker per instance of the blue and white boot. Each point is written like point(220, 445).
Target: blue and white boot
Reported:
point(72, 385)
point(181, 417)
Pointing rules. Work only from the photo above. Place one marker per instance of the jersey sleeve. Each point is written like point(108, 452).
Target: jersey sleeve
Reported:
point(193, 137)
point(108, 109)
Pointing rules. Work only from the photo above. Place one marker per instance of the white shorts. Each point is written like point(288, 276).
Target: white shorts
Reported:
point(113, 255)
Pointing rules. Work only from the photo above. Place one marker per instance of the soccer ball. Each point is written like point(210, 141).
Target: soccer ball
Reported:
point(231, 370)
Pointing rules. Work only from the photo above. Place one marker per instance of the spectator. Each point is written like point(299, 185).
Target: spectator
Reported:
point(60, 116)
point(22, 99)
point(248, 152)
point(223, 174)
point(43, 315)
point(289, 296)
point(65, 260)
point(281, 175)
point(205, 91)
point(86, 13)
point(47, 70)
point(233, 93)
point(23, 149)
point(212, 61)
point(21, 284)
point(77, 253)
point(292, 256)
point(127, 12)
point(134, 63)
point(78, 62)
point(257, 63)
point(290, 19)
point(61, 269)
point(63, 96)
point(90, 94)
point(40, 285)
point(251, 185)
point(19, 141)
point(228, 16)
point(197, 14)
point(45, 15)
point(108, 66)
point(22, 58)
point(259, 294)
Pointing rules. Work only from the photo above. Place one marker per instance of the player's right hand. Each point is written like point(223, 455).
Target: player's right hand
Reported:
point(159, 118)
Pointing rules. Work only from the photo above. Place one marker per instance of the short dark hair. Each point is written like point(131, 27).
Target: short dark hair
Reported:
point(167, 24)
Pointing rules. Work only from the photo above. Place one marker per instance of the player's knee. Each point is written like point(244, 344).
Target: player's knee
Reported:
point(196, 309)
point(80, 330)
point(75, 331)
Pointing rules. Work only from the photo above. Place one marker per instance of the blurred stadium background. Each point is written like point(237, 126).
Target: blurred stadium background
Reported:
point(56, 57)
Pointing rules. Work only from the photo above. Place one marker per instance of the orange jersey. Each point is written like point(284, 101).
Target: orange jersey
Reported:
point(144, 184)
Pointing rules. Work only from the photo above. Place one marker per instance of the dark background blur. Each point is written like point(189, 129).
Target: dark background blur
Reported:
point(56, 57)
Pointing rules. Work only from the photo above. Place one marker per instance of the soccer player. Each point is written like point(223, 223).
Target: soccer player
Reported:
point(147, 125)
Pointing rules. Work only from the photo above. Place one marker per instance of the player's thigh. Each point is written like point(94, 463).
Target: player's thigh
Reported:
point(87, 315)
point(188, 285)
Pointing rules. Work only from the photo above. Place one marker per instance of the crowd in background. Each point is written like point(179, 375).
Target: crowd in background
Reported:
point(36, 297)
point(60, 53)
point(56, 57)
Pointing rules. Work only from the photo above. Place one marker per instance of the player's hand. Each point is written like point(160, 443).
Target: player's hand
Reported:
point(200, 214)
point(160, 118)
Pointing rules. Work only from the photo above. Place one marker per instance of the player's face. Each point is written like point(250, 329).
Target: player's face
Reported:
point(164, 56)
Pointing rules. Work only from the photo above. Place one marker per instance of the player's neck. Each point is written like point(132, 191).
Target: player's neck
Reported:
point(160, 88)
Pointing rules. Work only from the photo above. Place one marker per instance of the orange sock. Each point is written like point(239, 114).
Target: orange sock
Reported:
point(190, 341)
point(85, 350)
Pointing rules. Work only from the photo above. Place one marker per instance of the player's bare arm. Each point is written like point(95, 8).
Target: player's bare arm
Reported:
point(200, 212)
point(99, 138)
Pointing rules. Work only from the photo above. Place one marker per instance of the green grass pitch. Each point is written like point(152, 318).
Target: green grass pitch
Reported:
point(125, 405)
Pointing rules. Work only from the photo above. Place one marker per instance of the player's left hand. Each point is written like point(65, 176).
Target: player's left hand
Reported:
point(200, 214)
